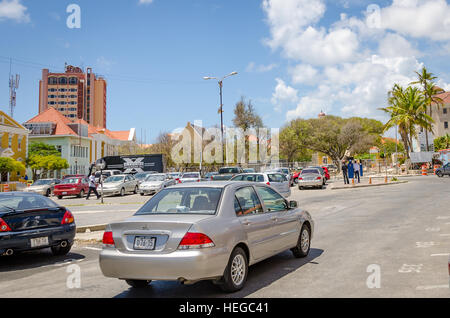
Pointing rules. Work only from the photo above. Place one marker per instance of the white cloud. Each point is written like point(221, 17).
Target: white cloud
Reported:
point(252, 67)
point(291, 27)
point(418, 18)
point(14, 10)
point(304, 74)
point(283, 94)
point(145, 1)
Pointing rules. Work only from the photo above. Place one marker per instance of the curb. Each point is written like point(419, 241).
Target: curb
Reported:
point(91, 228)
point(369, 185)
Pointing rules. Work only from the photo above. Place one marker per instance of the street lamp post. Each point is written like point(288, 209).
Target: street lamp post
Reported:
point(221, 106)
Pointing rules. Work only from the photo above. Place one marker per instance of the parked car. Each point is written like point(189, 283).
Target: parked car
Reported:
point(67, 176)
point(322, 172)
point(30, 221)
point(106, 174)
point(285, 171)
point(249, 170)
point(140, 177)
point(295, 176)
point(311, 177)
point(444, 170)
point(278, 181)
point(226, 173)
point(155, 182)
point(190, 177)
point(327, 173)
point(43, 186)
point(207, 231)
point(120, 184)
point(77, 186)
point(209, 176)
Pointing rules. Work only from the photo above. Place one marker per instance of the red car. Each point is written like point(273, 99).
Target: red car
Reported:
point(77, 186)
point(295, 176)
point(327, 173)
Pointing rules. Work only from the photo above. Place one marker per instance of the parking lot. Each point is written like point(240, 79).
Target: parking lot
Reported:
point(391, 241)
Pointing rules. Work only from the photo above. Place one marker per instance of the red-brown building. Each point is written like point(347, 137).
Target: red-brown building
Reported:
point(75, 93)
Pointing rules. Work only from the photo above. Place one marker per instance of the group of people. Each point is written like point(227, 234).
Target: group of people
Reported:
point(352, 169)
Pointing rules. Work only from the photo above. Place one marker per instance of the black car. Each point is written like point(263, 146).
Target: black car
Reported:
point(445, 170)
point(30, 221)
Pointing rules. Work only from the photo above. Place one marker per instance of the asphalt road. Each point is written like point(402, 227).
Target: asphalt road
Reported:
point(395, 239)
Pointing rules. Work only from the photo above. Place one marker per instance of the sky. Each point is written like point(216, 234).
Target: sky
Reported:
point(294, 58)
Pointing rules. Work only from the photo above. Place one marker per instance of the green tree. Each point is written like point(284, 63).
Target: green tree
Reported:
point(9, 165)
point(429, 90)
point(407, 110)
point(45, 158)
point(442, 143)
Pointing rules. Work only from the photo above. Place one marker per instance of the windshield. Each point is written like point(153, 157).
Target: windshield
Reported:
point(155, 178)
point(228, 170)
point(43, 182)
point(114, 179)
point(70, 181)
point(9, 203)
point(191, 175)
point(285, 171)
point(141, 176)
point(183, 201)
point(310, 171)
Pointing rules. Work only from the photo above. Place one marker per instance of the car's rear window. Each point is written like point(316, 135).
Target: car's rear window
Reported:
point(191, 175)
point(196, 200)
point(19, 202)
point(228, 170)
point(310, 171)
point(71, 181)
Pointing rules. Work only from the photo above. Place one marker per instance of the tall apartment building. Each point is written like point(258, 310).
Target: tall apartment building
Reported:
point(74, 93)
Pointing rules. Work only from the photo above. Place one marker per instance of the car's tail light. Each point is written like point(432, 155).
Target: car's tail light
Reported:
point(318, 178)
point(300, 178)
point(108, 239)
point(195, 240)
point(67, 218)
point(4, 227)
point(268, 183)
point(198, 180)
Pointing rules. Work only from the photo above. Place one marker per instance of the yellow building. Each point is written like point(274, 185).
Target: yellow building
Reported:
point(14, 140)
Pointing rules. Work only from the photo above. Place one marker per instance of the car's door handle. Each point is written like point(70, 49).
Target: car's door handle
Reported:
point(274, 218)
point(246, 222)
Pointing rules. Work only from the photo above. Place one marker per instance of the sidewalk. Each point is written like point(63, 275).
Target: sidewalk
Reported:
point(365, 182)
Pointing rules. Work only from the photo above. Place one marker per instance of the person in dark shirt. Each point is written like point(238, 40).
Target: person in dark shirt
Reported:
point(345, 173)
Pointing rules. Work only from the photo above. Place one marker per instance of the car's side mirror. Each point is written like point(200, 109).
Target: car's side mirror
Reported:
point(293, 204)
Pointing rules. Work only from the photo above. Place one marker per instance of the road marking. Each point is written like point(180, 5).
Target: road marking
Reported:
point(443, 217)
point(410, 268)
point(433, 229)
point(100, 211)
point(442, 254)
point(426, 244)
point(92, 248)
point(444, 234)
point(431, 287)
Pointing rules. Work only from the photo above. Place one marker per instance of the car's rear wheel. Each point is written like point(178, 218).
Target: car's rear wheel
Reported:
point(60, 197)
point(138, 283)
point(439, 174)
point(235, 274)
point(81, 195)
point(122, 192)
point(48, 193)
point(303, 243)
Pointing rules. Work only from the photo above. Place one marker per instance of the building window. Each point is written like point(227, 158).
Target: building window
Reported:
point(446, 124)
point(63, 80)
point(444, 110)
point(52, 81)
point(73, 81)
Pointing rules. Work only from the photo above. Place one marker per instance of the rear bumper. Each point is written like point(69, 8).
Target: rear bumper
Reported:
point(148, 191)
point(188, 265)
point(20, 241)
point(312, 183)
point(58, 193)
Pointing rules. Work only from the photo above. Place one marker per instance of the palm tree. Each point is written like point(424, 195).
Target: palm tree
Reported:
point(429, 90)
point(407, 111)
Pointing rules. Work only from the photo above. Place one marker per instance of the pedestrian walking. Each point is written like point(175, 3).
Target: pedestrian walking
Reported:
point(92, 187)
point(345, 173)
point(356, 167)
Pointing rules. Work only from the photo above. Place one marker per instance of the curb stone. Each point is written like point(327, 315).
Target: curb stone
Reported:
point(369, 185)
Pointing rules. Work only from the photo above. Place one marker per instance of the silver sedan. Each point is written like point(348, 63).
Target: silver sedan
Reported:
point(310, 177)
point(155, 182)
point(209, 231)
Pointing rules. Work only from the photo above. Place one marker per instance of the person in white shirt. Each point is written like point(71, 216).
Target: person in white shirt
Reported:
point(356, 168)
point(92, 187)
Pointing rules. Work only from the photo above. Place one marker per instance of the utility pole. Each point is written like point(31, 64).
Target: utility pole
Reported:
point(13, 86)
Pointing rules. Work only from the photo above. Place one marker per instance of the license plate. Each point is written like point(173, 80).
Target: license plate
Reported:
point(64, 193)
point(144, 243)
point(39, 241)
